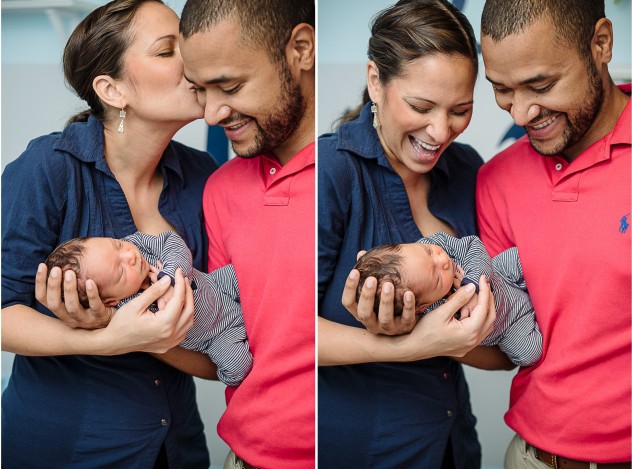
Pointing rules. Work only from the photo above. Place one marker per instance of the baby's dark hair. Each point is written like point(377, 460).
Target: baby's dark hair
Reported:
point(67, 256)
point(384, 263)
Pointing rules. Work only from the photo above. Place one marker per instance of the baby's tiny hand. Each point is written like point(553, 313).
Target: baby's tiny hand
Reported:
point(459, 275)
point(153, 273)
point(153, 276)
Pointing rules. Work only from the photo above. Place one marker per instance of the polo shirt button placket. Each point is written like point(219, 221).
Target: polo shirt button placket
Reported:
point(164, 422)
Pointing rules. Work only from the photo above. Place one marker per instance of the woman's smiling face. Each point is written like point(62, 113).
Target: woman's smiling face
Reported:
point(422, 111)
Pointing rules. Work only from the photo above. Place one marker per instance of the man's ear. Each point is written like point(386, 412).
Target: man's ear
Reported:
point(601, 44)
point(107, 89)
point(300, 51)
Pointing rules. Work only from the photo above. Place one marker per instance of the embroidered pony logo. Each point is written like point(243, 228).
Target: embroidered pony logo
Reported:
point(625, 223)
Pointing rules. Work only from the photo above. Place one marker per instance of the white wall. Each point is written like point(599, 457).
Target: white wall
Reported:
point(35, 101)
point(343, 33)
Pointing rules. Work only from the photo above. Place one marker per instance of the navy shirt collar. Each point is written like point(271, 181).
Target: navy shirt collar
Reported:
point(359, 137)
point(75, 136)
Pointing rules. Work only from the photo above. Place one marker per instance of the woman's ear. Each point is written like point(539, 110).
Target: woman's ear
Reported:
point(107, 89)
point(300, 51)
point(373, 84)
point(110, 302)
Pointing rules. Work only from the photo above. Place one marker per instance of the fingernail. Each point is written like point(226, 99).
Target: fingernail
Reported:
point(470, 288)
point(370, 282)
point(40, 268)
point(408, 296)
point(68, 276)
point(55, 272)
point(387, 288)
point(354, 274)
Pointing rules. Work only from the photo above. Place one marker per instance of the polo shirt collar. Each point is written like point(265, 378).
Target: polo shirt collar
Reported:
point(359, 137)
point(622, 132)
point(84, 141)
point(272, 170)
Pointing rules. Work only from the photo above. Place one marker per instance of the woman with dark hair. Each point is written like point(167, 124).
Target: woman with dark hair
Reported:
point(392, 173)
point(77, 397)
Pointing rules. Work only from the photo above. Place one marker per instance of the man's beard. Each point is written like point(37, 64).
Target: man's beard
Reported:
point(279, 126)
point(577, 125)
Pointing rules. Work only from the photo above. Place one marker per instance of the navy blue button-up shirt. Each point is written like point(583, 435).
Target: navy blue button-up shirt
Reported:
point(88, 411)
point(386, 414)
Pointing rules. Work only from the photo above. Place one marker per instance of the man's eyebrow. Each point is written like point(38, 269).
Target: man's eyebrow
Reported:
point(528, 81)
point(212, 81)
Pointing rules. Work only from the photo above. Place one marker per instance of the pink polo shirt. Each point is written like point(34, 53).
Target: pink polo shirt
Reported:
point(571, 224)
point(260, 216)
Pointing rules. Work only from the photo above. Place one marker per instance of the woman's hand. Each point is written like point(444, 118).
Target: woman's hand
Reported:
point(385, 322)
point(48, 291)
point(440, 333)
point(134, 328)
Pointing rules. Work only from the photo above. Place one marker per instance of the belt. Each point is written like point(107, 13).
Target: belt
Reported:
point(560, 462)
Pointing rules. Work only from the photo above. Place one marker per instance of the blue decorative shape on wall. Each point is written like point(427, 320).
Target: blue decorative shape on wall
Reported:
point(217, 143)
point(514, 133)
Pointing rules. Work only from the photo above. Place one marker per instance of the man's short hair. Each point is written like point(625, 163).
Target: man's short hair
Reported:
point(574, 20)
point(267, 23)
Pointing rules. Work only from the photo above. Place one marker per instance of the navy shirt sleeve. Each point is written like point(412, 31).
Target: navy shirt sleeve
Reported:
point(334, 188)
point(35, 192)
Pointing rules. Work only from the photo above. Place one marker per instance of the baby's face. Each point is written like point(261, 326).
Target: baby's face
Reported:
point(117, 267)
point(427, 271)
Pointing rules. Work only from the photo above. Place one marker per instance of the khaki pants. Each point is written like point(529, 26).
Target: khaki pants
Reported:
point(521, 455)
point(234, 462)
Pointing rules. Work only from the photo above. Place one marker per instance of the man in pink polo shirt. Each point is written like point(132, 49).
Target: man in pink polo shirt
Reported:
point(253, 65)
point(561, 194)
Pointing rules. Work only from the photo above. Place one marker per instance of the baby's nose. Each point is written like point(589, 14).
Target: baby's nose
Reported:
point(445, 261)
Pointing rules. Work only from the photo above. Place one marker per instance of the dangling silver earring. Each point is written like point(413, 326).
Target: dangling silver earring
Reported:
point(376, 122)
point(122, 115)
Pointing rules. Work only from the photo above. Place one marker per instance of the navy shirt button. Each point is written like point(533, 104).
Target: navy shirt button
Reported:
point(163, 422)
point(157, 382)
point(446, 376)
point(450, 413)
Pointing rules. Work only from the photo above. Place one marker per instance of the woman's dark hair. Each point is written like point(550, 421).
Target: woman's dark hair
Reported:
point(412, 29)
point(96, 47)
